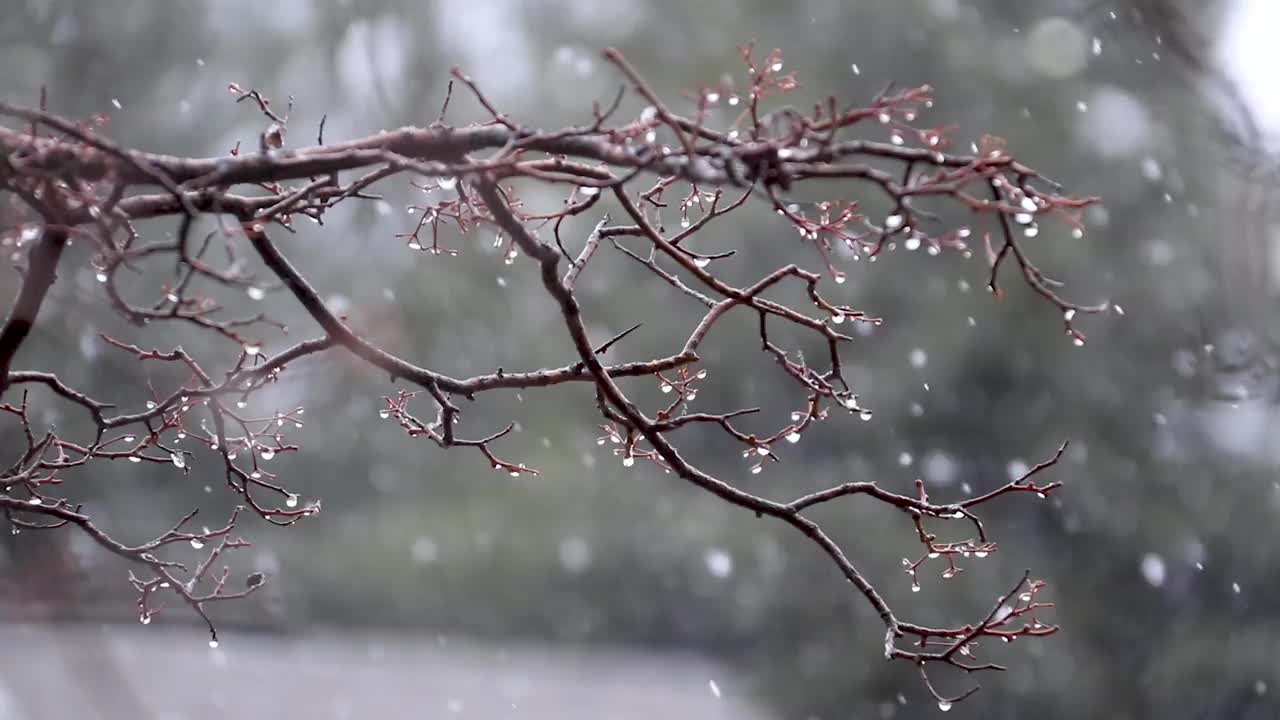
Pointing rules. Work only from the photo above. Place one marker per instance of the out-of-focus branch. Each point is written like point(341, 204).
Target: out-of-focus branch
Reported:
point(41, 271)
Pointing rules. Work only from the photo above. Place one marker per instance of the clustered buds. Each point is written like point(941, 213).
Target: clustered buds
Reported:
point(689, 169)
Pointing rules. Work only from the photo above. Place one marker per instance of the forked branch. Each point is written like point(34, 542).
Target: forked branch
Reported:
point(64, 181)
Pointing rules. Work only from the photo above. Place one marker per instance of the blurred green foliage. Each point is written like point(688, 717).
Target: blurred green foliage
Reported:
point(589, 551)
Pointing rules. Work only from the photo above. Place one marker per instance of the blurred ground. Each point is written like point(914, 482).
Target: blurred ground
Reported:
point(85, 672)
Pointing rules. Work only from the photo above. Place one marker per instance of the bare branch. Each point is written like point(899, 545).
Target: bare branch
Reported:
point(74, 183)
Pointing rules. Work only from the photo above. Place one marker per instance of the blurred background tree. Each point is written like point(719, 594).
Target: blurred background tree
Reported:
point(1159, 551)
